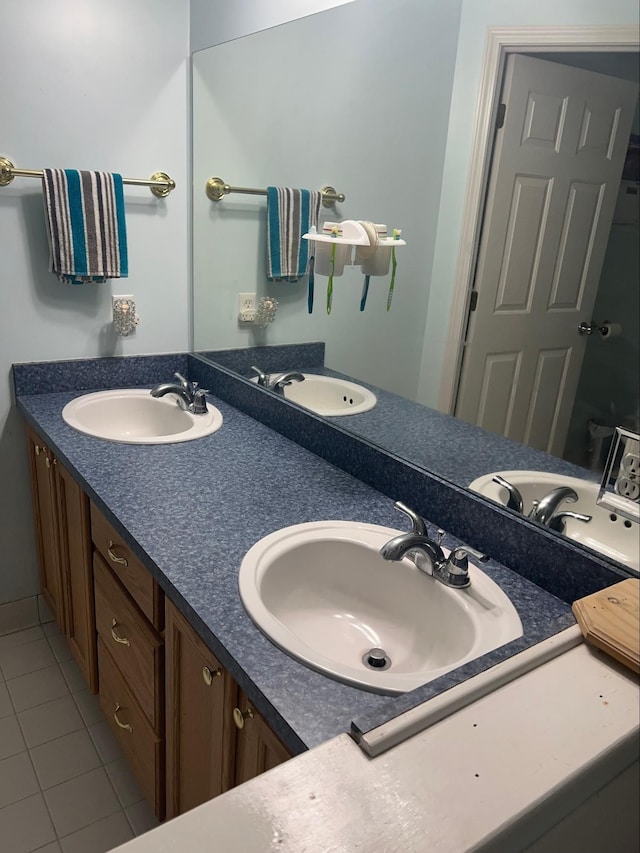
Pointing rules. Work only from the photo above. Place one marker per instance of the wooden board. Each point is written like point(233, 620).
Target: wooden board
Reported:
point(610, 620)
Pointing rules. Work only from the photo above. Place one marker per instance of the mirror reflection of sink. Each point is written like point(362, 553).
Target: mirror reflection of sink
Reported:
point(322, 593)
point(607, 533)
point(328, 395)
point(133, 416)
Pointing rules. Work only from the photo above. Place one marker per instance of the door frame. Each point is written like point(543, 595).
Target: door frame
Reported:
point(500, 42)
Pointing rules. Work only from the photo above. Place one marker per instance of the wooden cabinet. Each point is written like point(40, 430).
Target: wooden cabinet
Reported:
point(187, 729)
point(127, 568)
point(61, 516)
point(43, 493)
point(215, 738)
point(131, 656)
point(200, 732)
point(74, 541)
point(140, 742)
point(257, 747)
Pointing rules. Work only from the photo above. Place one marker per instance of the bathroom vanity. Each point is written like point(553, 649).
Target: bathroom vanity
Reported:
point(140, 549)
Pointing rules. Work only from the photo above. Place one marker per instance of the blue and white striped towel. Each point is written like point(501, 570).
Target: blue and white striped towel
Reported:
point(290, 214)
point(86, 225)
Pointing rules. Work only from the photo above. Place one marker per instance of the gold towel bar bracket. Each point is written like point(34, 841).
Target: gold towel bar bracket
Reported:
point(216, 189)
point(159, 183)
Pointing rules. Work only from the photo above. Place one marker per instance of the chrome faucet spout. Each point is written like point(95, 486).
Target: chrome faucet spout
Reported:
point(190, 397)
point(544, 510)
point(419, 548)
point(426, 554)
point(279, 382)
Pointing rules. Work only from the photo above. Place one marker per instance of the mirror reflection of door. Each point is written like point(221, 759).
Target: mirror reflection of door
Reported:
point(553, 186)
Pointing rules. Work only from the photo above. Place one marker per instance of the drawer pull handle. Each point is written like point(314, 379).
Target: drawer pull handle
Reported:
point(123, 640)
point(37, 449)
point(240, 716)
point(121, 561)
point(126, 726)
point(47, 462)
point(209, 674)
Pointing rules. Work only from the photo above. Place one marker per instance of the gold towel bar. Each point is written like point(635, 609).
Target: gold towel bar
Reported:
point(159, 183)
point(216, 189)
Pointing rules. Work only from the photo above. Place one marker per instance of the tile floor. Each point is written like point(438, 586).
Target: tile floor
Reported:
point(65, 786)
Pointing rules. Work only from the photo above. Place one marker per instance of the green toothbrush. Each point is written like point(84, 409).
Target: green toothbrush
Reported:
point(394, 264)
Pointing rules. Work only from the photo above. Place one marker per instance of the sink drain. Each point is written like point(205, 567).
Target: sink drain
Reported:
point(376, 659)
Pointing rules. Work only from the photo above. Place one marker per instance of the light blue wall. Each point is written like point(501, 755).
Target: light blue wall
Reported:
point(477, 16)
point(100, 85)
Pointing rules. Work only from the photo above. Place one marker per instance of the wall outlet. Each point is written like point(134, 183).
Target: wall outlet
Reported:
point(631, 465)
point(628, 488)
point(247, 307)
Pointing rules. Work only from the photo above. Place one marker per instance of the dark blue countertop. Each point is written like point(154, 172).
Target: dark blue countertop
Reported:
point(191, 510)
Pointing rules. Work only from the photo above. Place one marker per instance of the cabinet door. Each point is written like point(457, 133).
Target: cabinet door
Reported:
point(258, 749)
point(142, 746)
point(76, 572)
point(46, 525)
point(199, 705)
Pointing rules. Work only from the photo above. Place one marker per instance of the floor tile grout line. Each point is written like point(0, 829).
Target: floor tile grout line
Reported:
point(42, 790)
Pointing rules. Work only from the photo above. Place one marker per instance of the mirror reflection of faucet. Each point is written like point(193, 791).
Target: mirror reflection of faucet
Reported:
point(546, 510)
point(277, 382)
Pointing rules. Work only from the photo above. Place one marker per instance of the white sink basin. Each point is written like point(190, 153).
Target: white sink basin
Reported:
point(133, 416)
point(328, 395)
point(322, 593)
point(607, 533)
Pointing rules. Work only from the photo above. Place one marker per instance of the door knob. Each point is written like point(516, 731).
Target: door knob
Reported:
point(589, 328)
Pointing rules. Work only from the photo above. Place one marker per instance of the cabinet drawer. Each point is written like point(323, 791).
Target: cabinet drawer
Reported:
point(141, 745)
point(133, 644)
point(129, 570)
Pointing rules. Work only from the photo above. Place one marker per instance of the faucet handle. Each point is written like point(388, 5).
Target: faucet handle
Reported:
point(557, 521)
point(262, 376)
point(417, 523)
point(514, 500)
point(199, 404)
point(454, 571)
point(183, 382)
point(458, 561)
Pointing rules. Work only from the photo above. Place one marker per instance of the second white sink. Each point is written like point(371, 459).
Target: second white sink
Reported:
point(322, 593)
point(133, 416)
point(607, 533)
point(328, 395)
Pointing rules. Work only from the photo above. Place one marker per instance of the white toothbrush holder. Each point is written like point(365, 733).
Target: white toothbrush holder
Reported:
point(323, 258)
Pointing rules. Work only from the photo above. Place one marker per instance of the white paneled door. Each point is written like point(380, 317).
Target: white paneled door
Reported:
point(554, 179)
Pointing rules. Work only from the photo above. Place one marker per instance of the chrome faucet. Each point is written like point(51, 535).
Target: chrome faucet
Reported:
point(427, 555)
point(190, 397)
point(546, 509)
point(279, 382)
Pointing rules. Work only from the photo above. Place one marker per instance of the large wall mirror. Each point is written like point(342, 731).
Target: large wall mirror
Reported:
point(377, 98)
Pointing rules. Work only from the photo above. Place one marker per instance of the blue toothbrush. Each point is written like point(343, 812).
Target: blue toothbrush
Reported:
point(365, 292)
point(312, 263)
